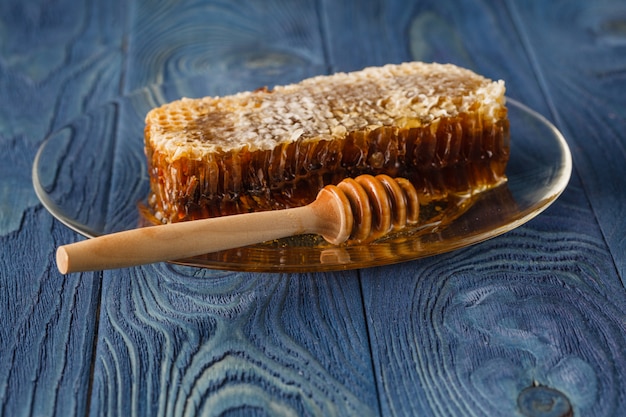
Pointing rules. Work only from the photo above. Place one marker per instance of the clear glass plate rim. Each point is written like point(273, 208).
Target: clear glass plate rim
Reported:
point(566, 166)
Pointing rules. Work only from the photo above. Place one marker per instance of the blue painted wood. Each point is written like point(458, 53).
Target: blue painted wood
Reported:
point(583, 74)
point(48, 323)
point(171, 42)
point(539, 306)
point(530, 320)
point(182, 341)
point(56, 62)
point(178, 341)
point(473, 330)
point(57, 59)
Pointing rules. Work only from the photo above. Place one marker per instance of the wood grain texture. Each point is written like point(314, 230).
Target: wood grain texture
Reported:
point(179, 341)
point(169, 42)
point(539, 306)
point(56, 60)
point(471, 331)
point(583, 69)
point(534, 316)
point(182, 341)
point(47, 331)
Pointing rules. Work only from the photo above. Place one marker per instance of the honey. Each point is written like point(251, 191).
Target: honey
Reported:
point(455, 159)
point(442, 127)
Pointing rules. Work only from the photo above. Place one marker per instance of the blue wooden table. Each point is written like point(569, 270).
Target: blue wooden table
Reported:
point(531, 323)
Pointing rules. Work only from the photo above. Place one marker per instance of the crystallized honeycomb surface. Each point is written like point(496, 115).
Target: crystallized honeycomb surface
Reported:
point(443, 127)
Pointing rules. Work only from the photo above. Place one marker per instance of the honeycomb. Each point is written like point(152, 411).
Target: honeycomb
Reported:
point(442, 127)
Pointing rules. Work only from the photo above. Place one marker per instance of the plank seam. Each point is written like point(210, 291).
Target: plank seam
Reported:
point(323, 31)
point(330, 68)
point(369, 343)
point(121, 90)
point(94, 349)
point(532, 58)
point(125, 47)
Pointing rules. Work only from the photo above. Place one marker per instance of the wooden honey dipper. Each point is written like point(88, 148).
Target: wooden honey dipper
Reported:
point(360, 209)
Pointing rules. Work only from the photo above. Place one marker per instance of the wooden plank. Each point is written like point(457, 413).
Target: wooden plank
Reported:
point(47, 323)
point(56, 62)
point(180, 341)
point(479, 326)
point(582, 69)
point(171, 42)
point(466, 333)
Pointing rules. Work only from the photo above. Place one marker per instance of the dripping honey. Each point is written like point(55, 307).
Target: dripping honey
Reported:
point(461, 156)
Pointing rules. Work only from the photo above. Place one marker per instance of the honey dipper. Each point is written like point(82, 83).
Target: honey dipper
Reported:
point(360, 209)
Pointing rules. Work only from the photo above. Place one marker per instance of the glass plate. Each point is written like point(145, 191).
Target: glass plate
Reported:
point(92, 176)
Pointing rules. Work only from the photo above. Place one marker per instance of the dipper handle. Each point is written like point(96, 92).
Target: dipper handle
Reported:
point(360, 209)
